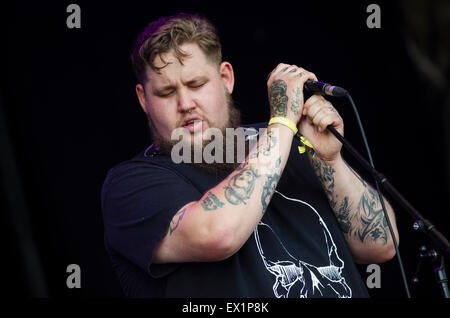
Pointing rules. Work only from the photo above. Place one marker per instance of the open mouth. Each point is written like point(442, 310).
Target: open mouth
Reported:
point(193, 124)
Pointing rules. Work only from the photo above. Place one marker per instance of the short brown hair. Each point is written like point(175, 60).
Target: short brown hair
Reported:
point(169, 33)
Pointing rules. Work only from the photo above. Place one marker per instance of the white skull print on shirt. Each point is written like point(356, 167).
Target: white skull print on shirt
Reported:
point(294, 277)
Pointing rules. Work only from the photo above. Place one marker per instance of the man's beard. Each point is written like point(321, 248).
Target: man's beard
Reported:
point(234, 119)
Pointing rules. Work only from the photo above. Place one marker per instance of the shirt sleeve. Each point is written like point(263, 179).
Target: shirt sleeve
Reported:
point(138, 203)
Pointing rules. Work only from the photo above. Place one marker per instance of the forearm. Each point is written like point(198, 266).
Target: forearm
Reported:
point(230, 211)
point(358, 210)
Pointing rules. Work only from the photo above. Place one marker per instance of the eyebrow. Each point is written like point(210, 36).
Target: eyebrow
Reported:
point(196, 79)
point(171, 87)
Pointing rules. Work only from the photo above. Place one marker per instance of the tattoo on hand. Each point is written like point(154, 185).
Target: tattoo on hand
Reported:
point(331, 109)
point(241, 185)
point(296, 102)
point(278, 98)
point(211, 202)
point(176, 221)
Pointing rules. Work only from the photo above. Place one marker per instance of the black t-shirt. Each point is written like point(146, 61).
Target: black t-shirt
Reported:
point(297, 250)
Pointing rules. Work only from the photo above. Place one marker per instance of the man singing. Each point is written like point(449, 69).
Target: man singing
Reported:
point(279, 223)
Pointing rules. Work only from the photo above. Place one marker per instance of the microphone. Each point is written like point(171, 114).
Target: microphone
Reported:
point(320, 87)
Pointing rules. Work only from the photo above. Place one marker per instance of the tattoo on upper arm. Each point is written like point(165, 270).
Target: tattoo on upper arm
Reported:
point(278, 98)
point(211, 202)
point(175, 221)
point(367, 222)
point(296, 102)
point(241, 185)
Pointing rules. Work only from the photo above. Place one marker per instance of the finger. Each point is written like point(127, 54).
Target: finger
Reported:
point(280, 68)
point(312, 100)
point(294, 69)
point(307, 73)
point(330, 119)
point(310, 74)
point(313, 105)
point(290, 69)
point(321, 114)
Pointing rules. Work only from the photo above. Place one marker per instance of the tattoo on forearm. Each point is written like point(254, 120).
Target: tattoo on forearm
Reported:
point(343, 216)
point(372, 216)
point(176, 221)
point(278, 98)
point(265, 148)
point(367, 222)
point(211, 202)
point(270, 185)
point(296, 102)
point(241, 185)
point(325, 173)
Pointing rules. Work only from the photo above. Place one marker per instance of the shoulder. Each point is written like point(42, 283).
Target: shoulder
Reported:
point(147, 159)
point(144, 166)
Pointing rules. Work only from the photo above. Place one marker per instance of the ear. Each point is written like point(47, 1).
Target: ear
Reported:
point(227, 74)
point(140, 92)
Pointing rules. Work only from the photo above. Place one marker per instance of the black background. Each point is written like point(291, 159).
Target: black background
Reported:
point(71, 110)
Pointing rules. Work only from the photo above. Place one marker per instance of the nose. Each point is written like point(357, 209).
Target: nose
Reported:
point(185, 101)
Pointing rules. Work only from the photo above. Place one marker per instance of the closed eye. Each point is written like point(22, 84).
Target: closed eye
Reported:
point(197, 85)
point(164, 94)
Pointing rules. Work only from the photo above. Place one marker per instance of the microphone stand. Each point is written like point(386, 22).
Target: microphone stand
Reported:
point(422, 224)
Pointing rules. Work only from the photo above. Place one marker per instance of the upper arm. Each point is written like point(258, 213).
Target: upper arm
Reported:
point(188, 239)
point(138, 204)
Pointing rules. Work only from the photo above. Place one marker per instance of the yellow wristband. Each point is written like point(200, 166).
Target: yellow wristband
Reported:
point(284, 121)
point(306, 143)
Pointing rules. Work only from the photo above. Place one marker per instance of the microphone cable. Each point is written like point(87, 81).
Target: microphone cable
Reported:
point(380, 196)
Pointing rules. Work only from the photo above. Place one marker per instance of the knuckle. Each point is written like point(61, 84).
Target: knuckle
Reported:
point(326, 121)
